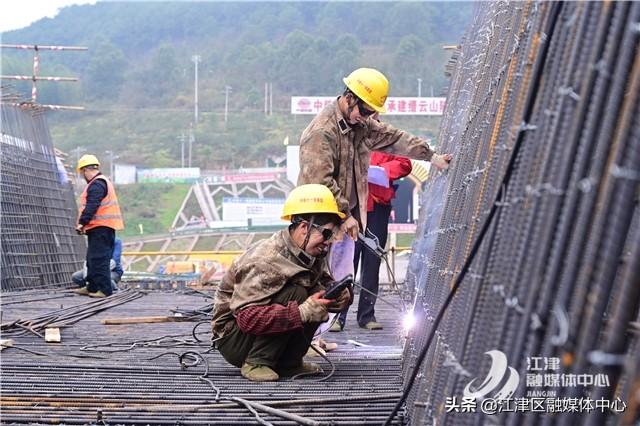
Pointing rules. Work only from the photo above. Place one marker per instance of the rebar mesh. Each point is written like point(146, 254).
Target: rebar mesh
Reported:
point(37, 206)
point(554, 87)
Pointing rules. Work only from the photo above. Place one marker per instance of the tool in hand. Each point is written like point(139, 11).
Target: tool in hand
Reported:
point(371, 242)
point(335, 288)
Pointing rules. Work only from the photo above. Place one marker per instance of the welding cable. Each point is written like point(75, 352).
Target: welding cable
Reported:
point(163, 354)
point(59, 355)
point(197, 357)
point(84, 356)
point(326, 358)
point(139, 344)
point(193, 332)
point(212, 344)
point(205, 311)
point(537, 72)
point(203, 378)
point(382, 299)
point(394, 284)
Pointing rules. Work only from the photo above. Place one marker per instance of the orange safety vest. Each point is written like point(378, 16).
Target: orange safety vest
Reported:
point(108, 213)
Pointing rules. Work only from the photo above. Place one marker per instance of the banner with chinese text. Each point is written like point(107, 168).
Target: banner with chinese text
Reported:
point(394, 105)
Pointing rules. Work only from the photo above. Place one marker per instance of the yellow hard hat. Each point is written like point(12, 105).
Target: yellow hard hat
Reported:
point(310, 199)
point(369, 85)
point(87, 160)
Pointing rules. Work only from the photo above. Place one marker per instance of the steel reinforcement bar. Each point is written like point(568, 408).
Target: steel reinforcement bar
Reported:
point(38, 245)
point(543, 110)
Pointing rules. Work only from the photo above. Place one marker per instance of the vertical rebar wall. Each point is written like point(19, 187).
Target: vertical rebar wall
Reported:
point(546, 95)
point(37, 206)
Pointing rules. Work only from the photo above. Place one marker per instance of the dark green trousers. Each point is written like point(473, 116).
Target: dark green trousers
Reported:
point(276, 351)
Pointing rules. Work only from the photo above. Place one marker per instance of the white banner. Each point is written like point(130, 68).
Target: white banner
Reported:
point(395, 105)
point(124, 174)
point(174, 175)
point(250, 208)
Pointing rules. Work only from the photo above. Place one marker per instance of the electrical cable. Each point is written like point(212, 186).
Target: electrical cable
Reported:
point(253, 407)
point(155, 342)
point(394, 284)
point(319, 352)
point(193, 332)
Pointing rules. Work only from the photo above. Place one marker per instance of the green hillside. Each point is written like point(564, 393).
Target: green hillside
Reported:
point(137, 79)
point(153, 206)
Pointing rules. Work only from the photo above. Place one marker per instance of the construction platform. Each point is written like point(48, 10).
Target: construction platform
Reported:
point(134, 373)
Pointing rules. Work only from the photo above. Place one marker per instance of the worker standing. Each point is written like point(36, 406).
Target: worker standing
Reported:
point(336, 146)
point(270, 301)
point(99, 218)
point(378, 213)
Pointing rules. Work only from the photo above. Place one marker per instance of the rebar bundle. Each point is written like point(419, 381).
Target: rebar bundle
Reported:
point(537, 221)
point(37, 207)
point(65, 317)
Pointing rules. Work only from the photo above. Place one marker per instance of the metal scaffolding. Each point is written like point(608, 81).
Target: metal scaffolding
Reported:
point(534, 233)
point(37, 207)
point(35, 77)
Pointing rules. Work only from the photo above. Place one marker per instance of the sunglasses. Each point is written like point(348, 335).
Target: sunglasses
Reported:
point(327, 234)
point(364, 111)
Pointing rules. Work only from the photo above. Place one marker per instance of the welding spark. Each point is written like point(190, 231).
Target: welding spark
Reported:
point(409, 320)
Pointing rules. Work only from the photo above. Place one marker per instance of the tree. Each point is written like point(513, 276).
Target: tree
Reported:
point(104, 74)
point(409, 53)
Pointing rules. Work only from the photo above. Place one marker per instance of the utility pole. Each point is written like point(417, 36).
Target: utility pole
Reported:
point(270, 98)
point(111, 166)
point(196, 61)
point(227, 90)
point(191, 141)
point(419, 87)
point(266, 97)
point(181, 139)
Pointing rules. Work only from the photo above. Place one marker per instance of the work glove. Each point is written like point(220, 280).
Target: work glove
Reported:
point(344, 299)
point(314, 309)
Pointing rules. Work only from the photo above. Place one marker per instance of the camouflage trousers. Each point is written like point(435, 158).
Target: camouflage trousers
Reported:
point(277, 351)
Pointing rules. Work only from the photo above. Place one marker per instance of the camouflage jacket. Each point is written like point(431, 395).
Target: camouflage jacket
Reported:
point(261, 272)
point(334, 154)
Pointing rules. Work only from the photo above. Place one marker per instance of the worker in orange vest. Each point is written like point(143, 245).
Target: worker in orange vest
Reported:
point(99, 218)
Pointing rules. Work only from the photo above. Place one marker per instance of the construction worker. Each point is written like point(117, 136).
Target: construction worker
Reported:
point(270, 303)
point(335, 149)
point(378, 213)
point(99, 218)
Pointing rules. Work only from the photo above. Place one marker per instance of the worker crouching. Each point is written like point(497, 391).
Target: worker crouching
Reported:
point(270, 303)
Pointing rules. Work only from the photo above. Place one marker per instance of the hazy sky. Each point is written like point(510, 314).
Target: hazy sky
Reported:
point(15, 14)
